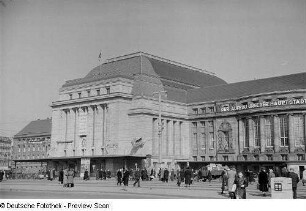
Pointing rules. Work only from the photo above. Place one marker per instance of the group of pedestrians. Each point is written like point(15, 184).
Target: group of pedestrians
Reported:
point(102, 174)
point(264, 179)
point(235, 182)
point(66, 177)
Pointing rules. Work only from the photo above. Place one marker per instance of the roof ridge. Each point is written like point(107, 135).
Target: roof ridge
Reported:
point(140, 53)
point(261, 79)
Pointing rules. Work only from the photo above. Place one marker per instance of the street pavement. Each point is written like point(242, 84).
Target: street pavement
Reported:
point(101, 189)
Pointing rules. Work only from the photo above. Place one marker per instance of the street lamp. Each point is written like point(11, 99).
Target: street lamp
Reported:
point(160, 126)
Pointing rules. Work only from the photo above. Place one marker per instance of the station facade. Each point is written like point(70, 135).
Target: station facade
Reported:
point(109, 119)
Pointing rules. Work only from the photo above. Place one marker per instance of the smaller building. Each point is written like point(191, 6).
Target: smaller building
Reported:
point(30, 148)
point(5, 153)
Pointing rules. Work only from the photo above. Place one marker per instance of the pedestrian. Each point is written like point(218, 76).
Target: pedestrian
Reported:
point(231, 179)
point(104, 174)
point(172, 175)
point(284, 172)
point(108, 174)
point(86, 176)
point(97, 174)
point(188, 175)
point(295, 181)
point(152, 174)
point(304, 177)
point(224, 177)
point(209, 176)
point(263, 181)
point(200, 174)
point(1, 175)
point(166, 175)
point(100, 174)
point(179, 178)
point(119, 177)
point(70, 178)
point(162, 175)
point(271, 175)
point(137, 177)
point(126, 174)
point(65, 178)
point(241, 183)
point(61, 176)
point(182, 175)
point(48, 175)
point(159, 174)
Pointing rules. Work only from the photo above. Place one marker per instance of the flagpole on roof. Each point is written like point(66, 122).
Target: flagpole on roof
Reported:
point(100, 58)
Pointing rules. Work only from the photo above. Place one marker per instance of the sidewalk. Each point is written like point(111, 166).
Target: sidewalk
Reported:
point(148, 188)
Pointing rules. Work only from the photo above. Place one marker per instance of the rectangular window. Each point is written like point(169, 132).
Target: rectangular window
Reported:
point(195, 140)
point(107, 90)
point(202, 124)
point(211, 140)
point(98, 91)
point(245, 157)
point(203, 110)
point(298, 130)
point(88, 93)
point(225, 158)
point(257, 131)
point(195, 111)
point(284, 157)
point(79, 94)
point(284, 130)
point(211, 109)
point(269, 131)
point(195, 158)
point(211, 124)
point(269, 157)
point(300, 157)
point(203, 141)
point(70, 96)
point(211, 158)
point(246, 133)
point(203, 158)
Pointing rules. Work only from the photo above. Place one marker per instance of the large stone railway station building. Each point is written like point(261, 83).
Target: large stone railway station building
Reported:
point(109, 118)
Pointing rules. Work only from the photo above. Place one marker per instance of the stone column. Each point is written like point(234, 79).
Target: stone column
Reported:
point(75, 110)
point(241, 135)
point(173, 137)
point(164, 136)
point(180, 137)
point(90, 126)
point(251, 134)
point(262, 134)
point(276, 137)
point(94, 109)
point(107, 122)
point(304, 123)
point(291, 133)
point(154, 136)
point(103, 126)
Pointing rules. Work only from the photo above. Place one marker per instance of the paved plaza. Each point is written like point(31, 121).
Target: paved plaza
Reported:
point(93, 189)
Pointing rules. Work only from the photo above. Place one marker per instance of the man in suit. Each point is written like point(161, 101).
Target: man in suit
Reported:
point(295, 181)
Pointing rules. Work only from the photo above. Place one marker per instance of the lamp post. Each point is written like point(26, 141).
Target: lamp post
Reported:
point(160, 126)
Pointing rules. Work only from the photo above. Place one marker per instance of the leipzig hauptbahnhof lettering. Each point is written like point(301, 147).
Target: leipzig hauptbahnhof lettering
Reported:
point(109, 119)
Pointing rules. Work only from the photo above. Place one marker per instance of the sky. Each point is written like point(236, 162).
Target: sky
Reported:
point(43, 43)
